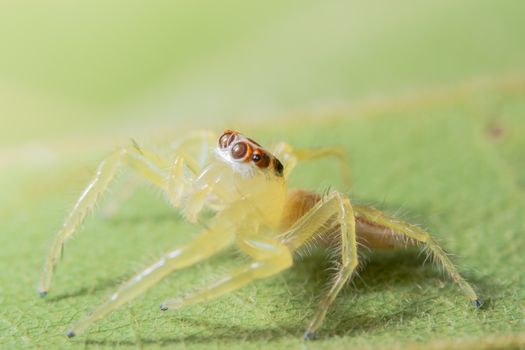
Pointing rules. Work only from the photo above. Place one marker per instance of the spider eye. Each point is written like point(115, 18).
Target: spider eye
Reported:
point(226, 139)
point(262, 160)
point(240, 150)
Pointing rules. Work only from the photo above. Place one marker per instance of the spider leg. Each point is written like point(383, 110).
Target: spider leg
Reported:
point(335, 206)
point(177, 182)
point(188, 157)
point(191, 154)
point(290, 157)
point(145, 164)
point(198, 144)
point(202, 247)
point(271, 257)
point(402, 233)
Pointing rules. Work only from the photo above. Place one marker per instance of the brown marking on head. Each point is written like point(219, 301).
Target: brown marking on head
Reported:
point(264, 159)
point(261, 158)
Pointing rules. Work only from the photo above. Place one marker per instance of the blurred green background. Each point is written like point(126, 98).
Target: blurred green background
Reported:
point(427, 96)
point(99, 64)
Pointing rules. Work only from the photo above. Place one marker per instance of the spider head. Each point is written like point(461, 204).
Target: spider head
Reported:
point(247, 156)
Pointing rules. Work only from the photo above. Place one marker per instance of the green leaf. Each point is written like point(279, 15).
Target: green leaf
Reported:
point(426, 97)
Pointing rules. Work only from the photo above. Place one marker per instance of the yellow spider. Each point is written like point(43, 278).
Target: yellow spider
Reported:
point(245, 186)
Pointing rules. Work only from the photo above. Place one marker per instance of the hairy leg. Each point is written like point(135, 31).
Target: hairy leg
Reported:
point(211, 241)
point(197, 145)
point(181, 169)
point(349, 262)
point(274, 255)
point(373, 219)
point(333, 206)
point(271, 257)
point(145, 165)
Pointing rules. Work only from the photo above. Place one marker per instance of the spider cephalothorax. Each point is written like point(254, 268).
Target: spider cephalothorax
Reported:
point(244, 186)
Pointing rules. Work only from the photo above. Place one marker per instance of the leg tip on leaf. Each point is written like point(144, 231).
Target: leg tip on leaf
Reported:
point(478, 303)
point(308, 336)
point(42, 293)
point(70, 334)
point(163, 307)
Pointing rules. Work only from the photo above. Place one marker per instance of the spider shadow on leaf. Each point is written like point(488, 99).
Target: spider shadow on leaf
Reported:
point(95, 287)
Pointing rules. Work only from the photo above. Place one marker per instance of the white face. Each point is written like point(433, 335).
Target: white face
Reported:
point(246, 156)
